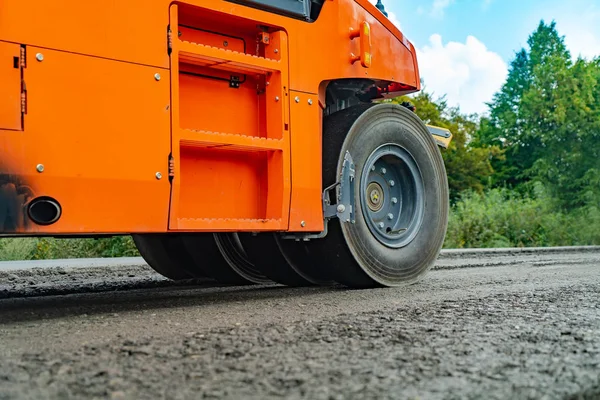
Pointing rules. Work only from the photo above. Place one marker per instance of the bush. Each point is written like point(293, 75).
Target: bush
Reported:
point(501, 218)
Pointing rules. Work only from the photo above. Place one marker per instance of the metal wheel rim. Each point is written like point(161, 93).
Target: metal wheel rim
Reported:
point(396, 217)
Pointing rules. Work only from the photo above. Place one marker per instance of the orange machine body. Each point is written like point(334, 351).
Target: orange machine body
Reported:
point(200, 115)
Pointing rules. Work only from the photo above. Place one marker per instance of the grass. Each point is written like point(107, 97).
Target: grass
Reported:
point(50, 248)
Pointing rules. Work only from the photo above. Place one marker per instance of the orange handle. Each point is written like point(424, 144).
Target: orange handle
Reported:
point(364, 33)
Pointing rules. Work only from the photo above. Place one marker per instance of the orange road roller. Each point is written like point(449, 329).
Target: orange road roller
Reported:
point(248, 141)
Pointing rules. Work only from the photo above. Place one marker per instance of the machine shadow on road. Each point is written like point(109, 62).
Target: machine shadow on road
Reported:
point(53, 307)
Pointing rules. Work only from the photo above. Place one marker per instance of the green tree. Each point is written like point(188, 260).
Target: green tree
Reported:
point(570, 163)
point(505, 126)
point(546, 119)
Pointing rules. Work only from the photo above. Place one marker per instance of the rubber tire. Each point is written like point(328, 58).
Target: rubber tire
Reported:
point(153, 249)
point(234, 254)
point(351, 252)
point(204, 251)
point(290, 268)
point(298, 256)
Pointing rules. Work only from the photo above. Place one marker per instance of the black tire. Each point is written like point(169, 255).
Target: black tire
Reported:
point(204, 250)
point(285, 263)
point(352, 251)
point(300, 259)
point(235, 256)
point(158, 251)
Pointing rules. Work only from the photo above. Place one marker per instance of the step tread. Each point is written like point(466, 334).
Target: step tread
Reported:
point(202, 137)
point(231, 57)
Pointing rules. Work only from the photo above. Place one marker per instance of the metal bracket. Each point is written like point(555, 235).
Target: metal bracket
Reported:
point(307, 237)
point(234, 82)
point(344, 208)
point(442, 136)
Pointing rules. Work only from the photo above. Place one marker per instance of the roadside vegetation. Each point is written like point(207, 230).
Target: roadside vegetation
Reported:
point(528, 172)
point(525, 174)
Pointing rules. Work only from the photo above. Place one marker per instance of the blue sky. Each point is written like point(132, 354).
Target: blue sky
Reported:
point(465, 46)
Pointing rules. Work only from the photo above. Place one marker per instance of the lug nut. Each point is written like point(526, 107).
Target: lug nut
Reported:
point(390, 216)
point(381, 225)
point(373, 168)
point(392, 183)
point(383, 170)
point(394, 200)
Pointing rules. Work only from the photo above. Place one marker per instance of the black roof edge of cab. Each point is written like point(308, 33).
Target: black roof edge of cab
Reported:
point(307, 10)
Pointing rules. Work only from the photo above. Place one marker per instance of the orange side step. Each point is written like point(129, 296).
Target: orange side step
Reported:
point(231, 164)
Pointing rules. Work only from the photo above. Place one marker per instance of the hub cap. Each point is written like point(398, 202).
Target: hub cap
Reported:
point(375, 196)
point(391, 195)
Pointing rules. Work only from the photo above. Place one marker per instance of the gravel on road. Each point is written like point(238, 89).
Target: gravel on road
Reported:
point(519, 326)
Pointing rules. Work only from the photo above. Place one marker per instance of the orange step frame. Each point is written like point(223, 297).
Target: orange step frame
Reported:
point(111, 129)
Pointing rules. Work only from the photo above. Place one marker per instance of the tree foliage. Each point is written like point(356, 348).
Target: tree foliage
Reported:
point(546, 118)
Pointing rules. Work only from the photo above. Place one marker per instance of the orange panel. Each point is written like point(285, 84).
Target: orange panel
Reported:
point(330, 40)
point(306, 204)
point(132, 30)
point(204, 96)
point(100, 128)
point(224, 184)
point(10, 86)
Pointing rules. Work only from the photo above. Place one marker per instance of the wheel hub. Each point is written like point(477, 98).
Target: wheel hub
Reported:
point(375, 196)
point(392, 196)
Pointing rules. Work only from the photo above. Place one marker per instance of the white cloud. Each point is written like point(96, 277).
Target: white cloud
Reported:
point(439, 6)
point(391, 16)
point(467, 73)
point(437, 9)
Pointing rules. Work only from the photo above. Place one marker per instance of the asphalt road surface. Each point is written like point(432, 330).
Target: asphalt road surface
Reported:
point(484, 324)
